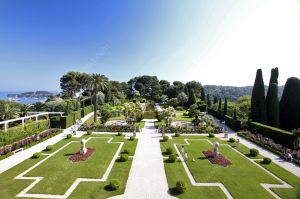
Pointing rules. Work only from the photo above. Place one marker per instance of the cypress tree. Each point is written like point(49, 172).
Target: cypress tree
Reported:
point(215, 99)
point(203, 99)
point(290, 104)
point(192, 98)
point(258, 111)
point(208, 100)
point(272, 104)
point(225, 107)
point(234, 114)
point(220, 105)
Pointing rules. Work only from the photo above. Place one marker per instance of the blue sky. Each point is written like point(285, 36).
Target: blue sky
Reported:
point(214, 42)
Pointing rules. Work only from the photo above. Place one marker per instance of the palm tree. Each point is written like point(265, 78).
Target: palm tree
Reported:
point(24, 109)
point(8, 111)
point(98, 83)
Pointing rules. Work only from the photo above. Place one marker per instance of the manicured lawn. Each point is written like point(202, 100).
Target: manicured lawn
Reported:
point(181, 117)
point(242, 179)
point(121, 117)
point(58, 169)
point(140, 124)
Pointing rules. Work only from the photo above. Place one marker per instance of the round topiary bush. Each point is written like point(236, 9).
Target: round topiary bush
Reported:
point(254, 152)
point(267, 161)
point(49, 148)
point(119, 134)
point(165, 138)
point(232, 140)
point(180, 187)
point(169, 151)
point(126, 151)
point(37, 155)
point(89, 133)
point(177, 135)
point(131, 138)
point(211, 135)
point(172, 158)
point(69, 136)
point(114, 184)
point(123, 158)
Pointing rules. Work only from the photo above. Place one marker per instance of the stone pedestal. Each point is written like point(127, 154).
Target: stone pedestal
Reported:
point(83, 149)
point(216, 149)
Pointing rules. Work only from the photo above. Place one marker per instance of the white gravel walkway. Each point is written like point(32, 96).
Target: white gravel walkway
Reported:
point(147, 178)
point(19, 157)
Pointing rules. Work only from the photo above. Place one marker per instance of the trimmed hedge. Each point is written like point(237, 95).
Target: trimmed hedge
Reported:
point(149, 115)
point(86, 110)
point(280, 136)
point(232, 123)
point(66, 121)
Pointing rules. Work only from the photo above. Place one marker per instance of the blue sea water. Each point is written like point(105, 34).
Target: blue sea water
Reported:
point(23, 100)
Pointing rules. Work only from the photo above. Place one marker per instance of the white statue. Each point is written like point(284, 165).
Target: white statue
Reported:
point(216, 149)
point(83, 149)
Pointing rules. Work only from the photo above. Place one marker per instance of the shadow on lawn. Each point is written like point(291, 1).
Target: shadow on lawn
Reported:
point(173, 191)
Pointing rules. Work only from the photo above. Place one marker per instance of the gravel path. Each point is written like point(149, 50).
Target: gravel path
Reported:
point(147, 178)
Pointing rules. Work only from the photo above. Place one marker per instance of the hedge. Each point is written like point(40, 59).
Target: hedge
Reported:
point(86, 110)
point(229, 121)
point(86, 102)
point(66, 121)
point(280, 136)
point(203, 107)
point(149, 115)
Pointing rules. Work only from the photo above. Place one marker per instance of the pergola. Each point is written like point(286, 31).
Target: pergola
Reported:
point(31, 115)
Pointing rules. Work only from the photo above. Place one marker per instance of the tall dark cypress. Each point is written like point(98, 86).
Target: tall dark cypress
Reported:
point(192, 98)
point(208, 101)
point(215, 99)
point(258, 111)
point(220, 105)
point(203, 97)
point(225, 107)
point(272, 104)
point(290, 104)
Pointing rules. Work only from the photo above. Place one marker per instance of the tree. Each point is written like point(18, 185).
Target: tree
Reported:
point(289, 104)
point(70, 84)
point(98, 83)
point(196, 119)
point(272, 103)
point(258, 111)
point(193, 110)
point(215, 99)
point(173, 102)
point(133, 112)
point(208, 100)
point(168, 115)
point(235, 114)
point(273, 106)
point(220, 105)
point(24, 109)
point(203, 97)
point(105, 113)
point(225, 107)
point(192, 98)
point(164, 85)
point(182, 98)
point(8, 111)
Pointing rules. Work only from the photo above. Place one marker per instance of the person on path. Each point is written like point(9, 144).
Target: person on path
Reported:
point(182, 150)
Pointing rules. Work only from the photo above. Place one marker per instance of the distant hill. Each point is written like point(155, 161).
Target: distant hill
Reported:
point(233, 92)
point(32, 94)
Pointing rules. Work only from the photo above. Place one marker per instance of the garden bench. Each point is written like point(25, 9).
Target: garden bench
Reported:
point(17, 150)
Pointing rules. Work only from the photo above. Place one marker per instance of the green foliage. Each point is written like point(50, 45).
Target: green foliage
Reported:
point(168, 114)
point(169, 151)
point(114, 184)
point(203, 97)
point(193, 110)
point(180, 187)
point(119, 134)
point(208, 100)
point(131, 138)
point(173, 102)
point(105, 112)
point(232, 140)
point(172, 158)
point(165, 138)
point(36, 155)
point(182, 98)
point(123, 158)
point(289, 104)
point(253, 152)
point(220, 105)
point(191, 98)
point(211, 135)
point(273, 105)
point(177, 135)
point(89, 132)
point(225, 107)
point(69, 136)
point(49, 148)
point(267, 160)
point(258, 105)
point(126, 151)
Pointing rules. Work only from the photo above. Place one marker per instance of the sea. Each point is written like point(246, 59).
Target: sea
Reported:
point(21, 100)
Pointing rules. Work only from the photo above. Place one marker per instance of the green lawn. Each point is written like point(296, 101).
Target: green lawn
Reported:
point(59, 169)
point(121, 117)
point(242, 179)
point(140, 124)
point(181, 117)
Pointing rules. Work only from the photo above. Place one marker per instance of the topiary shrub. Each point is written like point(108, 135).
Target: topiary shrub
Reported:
point(126, 151)
point(131, 138)
point(37, 155)
point(123, 158)
point(114, 184)
point(211, 135)
point(49, 148)
point(165, 138)
point(69, 136)
point(177, 135)
point(119, 134)
point(180, 187)
point(267, 161)
point(254, 152)
point(172, 158)
point(89, 132)
point(232, 140)
point(169, 151)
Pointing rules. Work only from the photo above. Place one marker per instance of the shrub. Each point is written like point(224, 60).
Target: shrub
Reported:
point(165, 138)
point(172, 158)
point(179, 108)
point(131, 138)
point(37, 155)
point(211, 135)
point(177, 135)
point(49, 148)
point(254, 152)
point(180, 187)
point(169, 151)
point(69, 136)
point(232, 140)
point(126, 151)
point(89, 132)
point(114, 184)
point(267, 161)
point(123, 158)
point(119, 134)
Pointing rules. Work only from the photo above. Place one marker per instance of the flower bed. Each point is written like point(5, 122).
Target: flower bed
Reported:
point(189, 130)
point(82, 157)
point(27, 142)
point(220, 159)
point(108, 128)
point(269, 144)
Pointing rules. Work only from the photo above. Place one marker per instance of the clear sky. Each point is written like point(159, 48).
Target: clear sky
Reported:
point(215, 42)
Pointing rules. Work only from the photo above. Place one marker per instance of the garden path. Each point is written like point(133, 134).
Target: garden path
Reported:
point(147, 178)
point(19, 157)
